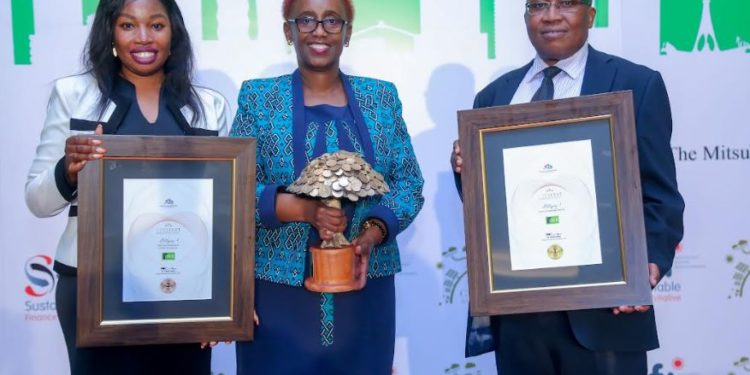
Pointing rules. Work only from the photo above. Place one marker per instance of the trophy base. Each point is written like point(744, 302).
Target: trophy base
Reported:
point(333, 270)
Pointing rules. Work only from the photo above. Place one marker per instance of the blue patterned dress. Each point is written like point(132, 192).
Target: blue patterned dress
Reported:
point(302, 332)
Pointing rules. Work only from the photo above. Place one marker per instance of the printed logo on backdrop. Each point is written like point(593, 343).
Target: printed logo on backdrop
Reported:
point(741, 366)
point(686, 258)
point(704, 26)
point(40, 288)
point(711, 152)
point(468, 368)
point(453, 265)
point(676, 367)
point(669, 289)
point(739, 260)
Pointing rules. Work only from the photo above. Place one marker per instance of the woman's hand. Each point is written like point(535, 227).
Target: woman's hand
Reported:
point(327, 220)
point(363, 246)
point(211, 344)
point(78, 151)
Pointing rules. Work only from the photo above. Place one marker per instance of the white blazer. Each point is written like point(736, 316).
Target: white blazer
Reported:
point(76, 98)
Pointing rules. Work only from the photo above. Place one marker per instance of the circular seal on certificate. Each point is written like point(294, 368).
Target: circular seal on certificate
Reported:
point(168, 286)
point(555, 252)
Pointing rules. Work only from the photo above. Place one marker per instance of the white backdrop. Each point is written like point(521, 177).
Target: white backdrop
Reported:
point(439, 53)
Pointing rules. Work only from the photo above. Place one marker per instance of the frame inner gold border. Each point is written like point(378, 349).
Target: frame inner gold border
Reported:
point(610, 119)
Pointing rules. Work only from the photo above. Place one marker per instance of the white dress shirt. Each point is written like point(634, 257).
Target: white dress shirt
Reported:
point(567, 83)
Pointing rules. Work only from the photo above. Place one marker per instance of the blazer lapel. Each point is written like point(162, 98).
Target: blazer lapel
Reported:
point(600, 74)
point(122, 105)
point(174, 108)
point(512, 81)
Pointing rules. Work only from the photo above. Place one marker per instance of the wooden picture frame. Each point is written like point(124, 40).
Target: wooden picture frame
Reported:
point(511, 179)
point(215, 268)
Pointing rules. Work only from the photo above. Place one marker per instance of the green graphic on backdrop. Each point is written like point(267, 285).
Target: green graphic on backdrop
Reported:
point(88, 7)
point(602, 13)
point(705, 25)
point(487, 25)
point(22, 19)
point(210, 19)
point(740, 260)
point(395, 21)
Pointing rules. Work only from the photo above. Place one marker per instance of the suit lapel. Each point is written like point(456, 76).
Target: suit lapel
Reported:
point(600, 74)
point(512, 81)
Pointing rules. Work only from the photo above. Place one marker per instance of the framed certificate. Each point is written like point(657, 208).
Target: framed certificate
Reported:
point(552, 195)
point(166, 232)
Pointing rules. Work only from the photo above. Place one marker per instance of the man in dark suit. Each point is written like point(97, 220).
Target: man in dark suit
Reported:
point(601, 341)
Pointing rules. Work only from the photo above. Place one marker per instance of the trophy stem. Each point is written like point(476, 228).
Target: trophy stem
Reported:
point(338, 238)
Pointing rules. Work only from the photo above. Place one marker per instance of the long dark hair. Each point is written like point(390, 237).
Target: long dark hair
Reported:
point(178, 69)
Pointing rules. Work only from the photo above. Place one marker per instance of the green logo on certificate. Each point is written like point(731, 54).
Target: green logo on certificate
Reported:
point(555, 252)
point(553, 219)
point(168, 256)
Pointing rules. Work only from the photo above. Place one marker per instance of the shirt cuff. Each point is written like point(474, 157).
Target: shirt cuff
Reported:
point(66, 189)
point(388, 218)
point(267, 206)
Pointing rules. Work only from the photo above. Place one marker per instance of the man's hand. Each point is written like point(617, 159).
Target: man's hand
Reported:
point(456, 160)
point(653, 276)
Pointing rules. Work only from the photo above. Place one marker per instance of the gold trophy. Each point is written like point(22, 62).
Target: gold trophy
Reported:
point(332, 177)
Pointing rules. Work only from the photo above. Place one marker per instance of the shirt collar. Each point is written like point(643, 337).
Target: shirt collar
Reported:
point(573, 66)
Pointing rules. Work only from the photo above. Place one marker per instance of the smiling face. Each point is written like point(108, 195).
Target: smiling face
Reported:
point(318, 50)
point(558, 35)
point(142, 38)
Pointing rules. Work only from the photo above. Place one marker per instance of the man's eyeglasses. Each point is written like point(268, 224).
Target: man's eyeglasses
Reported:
point(535, 8)
point(308, 24)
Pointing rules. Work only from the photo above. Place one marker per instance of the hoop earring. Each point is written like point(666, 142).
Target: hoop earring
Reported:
point(114, 52)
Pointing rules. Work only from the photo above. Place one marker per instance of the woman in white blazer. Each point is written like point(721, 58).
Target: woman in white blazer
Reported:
point(137, 81)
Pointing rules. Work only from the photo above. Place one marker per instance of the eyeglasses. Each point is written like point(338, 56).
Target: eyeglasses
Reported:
point(308, 24)
point(535, 8)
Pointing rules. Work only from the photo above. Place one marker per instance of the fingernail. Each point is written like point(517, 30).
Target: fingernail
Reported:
point(100, 150)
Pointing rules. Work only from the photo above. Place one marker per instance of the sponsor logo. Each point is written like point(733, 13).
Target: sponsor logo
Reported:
point(739, 259)
point(39, 273)
point(677, 367)
point(41, 287)
point(668, 290)
point(455, 288)
point(704, 26)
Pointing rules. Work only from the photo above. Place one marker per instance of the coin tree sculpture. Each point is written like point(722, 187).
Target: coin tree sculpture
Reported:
point(332, 177)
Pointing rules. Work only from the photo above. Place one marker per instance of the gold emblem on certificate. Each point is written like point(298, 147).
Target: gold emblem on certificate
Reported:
point(167, 236)
point(551, 205)
point(555, 252)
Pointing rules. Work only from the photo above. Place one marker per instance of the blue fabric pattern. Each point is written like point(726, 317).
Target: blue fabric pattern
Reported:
point(266, 112)
point(326, 319)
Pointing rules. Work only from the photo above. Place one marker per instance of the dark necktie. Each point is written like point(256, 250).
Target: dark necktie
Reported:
point(547, 89)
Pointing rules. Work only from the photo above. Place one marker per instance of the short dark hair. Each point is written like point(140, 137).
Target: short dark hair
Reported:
point(178, 69)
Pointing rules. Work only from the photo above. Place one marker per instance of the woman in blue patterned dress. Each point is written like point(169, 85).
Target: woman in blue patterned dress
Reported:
point(296, 118)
